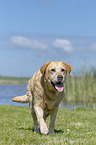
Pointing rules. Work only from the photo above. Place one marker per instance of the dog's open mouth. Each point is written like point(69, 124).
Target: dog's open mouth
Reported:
point(58, 86)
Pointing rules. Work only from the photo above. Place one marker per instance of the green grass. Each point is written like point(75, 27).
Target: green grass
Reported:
point(76, 126)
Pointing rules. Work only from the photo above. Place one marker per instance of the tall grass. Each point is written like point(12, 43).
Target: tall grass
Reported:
point(81, 89)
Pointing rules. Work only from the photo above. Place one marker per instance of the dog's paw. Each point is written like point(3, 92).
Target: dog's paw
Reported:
point(44, 129)
point(36, 129)
point(51, 131)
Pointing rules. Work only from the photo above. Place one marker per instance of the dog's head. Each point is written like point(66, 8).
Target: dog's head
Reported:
point(55, 74)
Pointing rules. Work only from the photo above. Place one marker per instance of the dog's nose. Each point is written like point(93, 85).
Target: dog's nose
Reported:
point(60, 78)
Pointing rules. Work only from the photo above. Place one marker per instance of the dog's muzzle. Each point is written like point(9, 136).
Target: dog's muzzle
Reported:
point(60, 78)
point(58, 86)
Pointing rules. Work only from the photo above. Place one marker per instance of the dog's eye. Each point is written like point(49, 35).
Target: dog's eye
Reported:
point(63, 70)
point(52, 70)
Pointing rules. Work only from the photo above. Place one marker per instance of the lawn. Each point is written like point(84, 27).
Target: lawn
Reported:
point(72, 127)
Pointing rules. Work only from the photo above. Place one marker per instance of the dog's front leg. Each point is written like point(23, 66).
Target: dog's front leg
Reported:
point(39, 114)
point(53, 114)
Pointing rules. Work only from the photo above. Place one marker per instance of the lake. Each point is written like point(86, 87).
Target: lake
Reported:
point(7, 92)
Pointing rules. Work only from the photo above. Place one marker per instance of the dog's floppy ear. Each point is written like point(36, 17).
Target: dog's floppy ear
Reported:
point(43, 68)
point(68, 68)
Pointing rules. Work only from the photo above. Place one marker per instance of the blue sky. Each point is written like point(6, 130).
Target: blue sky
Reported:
point(33, 32)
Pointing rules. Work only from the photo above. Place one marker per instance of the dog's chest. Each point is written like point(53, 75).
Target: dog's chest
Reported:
point(51, 104)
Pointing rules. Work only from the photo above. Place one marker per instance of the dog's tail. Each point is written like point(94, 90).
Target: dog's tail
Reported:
point(22, 99)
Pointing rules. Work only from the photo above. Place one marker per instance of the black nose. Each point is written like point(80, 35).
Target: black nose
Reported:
point(60, 78)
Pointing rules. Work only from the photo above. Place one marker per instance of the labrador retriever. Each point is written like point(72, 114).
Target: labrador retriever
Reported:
point(45, 90)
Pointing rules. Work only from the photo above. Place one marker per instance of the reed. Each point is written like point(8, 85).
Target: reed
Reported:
point(81, 89)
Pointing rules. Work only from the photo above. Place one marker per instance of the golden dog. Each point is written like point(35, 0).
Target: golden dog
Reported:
point(45, 90)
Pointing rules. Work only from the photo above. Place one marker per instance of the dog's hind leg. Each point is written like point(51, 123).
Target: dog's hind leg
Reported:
point(36, 129)
point(53, 114)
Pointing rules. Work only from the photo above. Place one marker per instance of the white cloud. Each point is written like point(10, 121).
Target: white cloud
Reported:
point(64, 44)
point(27, 43)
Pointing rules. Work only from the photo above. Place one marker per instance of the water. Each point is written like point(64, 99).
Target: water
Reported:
point(7, 92)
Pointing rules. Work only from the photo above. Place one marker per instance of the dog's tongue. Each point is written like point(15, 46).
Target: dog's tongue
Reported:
point(59, 87)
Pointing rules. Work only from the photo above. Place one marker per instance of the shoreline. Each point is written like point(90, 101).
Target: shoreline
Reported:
point(11, 82)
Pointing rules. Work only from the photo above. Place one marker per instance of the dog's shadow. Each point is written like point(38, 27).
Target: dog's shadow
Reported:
point(58, 131)
point(32, 130)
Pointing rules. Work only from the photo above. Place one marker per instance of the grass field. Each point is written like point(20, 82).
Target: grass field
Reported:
point(72, 127)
